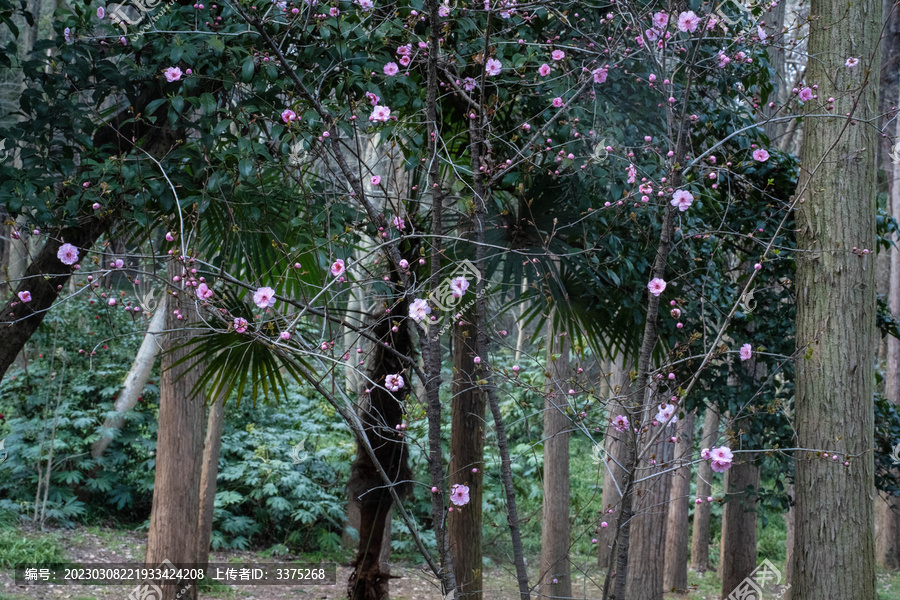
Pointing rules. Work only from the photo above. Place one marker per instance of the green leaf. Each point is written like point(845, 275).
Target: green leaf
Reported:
point(247, 70)
point(208, 103)
point(245, 167)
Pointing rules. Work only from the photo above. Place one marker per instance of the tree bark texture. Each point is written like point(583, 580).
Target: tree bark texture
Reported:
point(556, 570)
point(737, 555)
point(675, 575)
point(835, 297)
point(466, 454)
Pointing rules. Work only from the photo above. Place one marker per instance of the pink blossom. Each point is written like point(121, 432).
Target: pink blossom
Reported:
point(119, 263)
point(557, 102)
point(632, 173)
point(67, 254)
point(376, 179)
point(170, 237)
point(287, 115)
point(285, 335)
point(458, 286)
point(806, 94)
point(459, 494)
point(666, 411)
point(264, 297)
point(558, 55)
point(704, 454)
point(172, 74)
point(404, 50)
point(204, 292)
point(682, 200)
point(599, 75)
point(851, 62)
point(746, 352)
point(334, 11)
point(469, 84)
point(493, 66)
point(720, 459)
point(620, 423)
point(399, 223)
point(67, 33)
point(240, 324)
point(380, 113)
point(393, 382)
point(24, 296)
point(337, 268)
point(443, 10)
point(761, 155)
point(656, 286)
point(760, 32)
point(688, 21)
point(405, 60)
point(419, 309)
point(391, 69)
point(660, 20)
point(101, 12)
point(366, 5)
point(373, 98)
point(544, 70)
point(723, 59)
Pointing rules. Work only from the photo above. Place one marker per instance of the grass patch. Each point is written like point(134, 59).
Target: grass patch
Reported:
point(18, 548)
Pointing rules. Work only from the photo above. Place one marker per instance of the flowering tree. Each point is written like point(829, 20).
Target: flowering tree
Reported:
point(612, 155)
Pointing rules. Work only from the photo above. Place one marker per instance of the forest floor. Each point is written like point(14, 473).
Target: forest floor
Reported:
point(412, 582)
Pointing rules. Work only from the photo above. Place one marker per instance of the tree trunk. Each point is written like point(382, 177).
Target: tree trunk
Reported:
point(737, 557)
point(208, 475)
point(646, 555)
point(556, 571)
point(382, 412)
point(179, 448)
point(610, 465)
point(675, 576)
point(790, 547)
point(135, 381)
point(466, 454)
point(836, 343)
point(700, 533)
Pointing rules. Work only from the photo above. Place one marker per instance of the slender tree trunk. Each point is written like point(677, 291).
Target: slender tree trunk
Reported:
point(700, 533)
point(556, 571)
point(610, 465)
point(466, 456)
point(790, 547)
point(208, 475)
point(179, 448)
point(646, 556)
point(135, 381)
point(737, 557)
point(835, 287)
point(675, 576)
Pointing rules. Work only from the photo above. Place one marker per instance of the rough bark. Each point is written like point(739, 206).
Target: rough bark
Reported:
point(646, 556)
point(737, 557)
point(466, 454)
point(179, 447)
point(135, 381)
point(835, 290)
point(700, 533)
point(382, 412)
point(675, 575)
point(613, 475)
point(789, 543)
point(556, 570)
point(209, 471)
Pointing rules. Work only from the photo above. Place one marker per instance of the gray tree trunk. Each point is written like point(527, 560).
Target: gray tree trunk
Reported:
point(556, 570)
point(700, 533)
point(610, 463)
point(136, 379)
point(675, 576)
point(208, 474)
point(836, 342)
point(737, 557)
point(647, 552)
